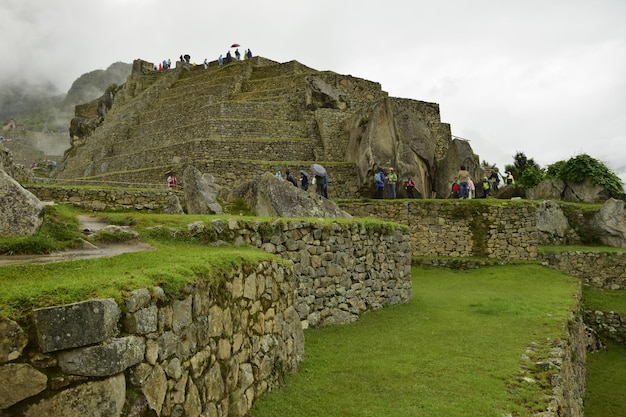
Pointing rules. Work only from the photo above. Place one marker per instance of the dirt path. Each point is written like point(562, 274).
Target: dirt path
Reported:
point(88, 225)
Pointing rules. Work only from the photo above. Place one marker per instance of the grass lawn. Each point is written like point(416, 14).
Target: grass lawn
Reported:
point(25, 287)
point(452, 351)
point(606, 379)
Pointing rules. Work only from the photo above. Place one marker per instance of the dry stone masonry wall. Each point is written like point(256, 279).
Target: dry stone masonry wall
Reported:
point(211, 352)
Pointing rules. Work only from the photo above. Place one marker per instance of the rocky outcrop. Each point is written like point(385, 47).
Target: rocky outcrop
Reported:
point(21, 213)
point(272, 197)
point(610, 221)
point(551, 222)
point(408, 136)
point(200, 192)
point(556, 189)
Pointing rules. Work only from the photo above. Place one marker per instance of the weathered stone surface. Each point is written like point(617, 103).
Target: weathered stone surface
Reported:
point(95, 399)
point(103, 360)
point(407, 135)
point(611, 222)
point(155, 388)
point(269, 196)
point(139, 298)
point(200, 192)
point(22, 381)
point(556, 189)
point(182, 314)
point(75, 325)
point(21, 213)
point(143, 321)
point(551, 220)
point(13, 340)
point(173, 205)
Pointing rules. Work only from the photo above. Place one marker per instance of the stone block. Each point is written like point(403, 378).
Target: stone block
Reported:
point(143, 321)
point(103, 360)
point(95, 399)
point(13, 340)
point(19, 381)
point(76, 325)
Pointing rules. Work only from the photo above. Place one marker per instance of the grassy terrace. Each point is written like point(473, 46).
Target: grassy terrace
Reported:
point(454, 350)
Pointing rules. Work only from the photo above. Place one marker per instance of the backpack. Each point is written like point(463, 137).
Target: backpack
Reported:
point(378, 178)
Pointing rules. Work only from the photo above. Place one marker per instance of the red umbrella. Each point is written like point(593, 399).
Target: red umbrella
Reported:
point(235, 45)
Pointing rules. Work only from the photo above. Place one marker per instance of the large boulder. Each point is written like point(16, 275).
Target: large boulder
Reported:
point(200, 192)
point(459, 154)
point(552, 223)
point(270, 196)
point(610, 221)
point(408, 136)
point(557, 189)
point(21, 213)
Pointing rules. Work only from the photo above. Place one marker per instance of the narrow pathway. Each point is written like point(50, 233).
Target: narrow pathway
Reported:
point(88, 225)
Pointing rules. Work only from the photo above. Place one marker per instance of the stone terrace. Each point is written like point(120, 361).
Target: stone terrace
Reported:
point(235, 122)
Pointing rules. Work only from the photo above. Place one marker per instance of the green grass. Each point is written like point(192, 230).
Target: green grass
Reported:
point(606, 379)
point(605, 300)
point(454, 350)
point(25, 287)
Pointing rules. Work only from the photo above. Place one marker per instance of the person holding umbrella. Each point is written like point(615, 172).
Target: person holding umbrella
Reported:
point(238, 54)
point(320, 178)
point(304, 180)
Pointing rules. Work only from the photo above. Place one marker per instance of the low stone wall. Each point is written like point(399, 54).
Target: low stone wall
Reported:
point(607, 324)
point(343, 269)
point(459, 229)
point(102, 198)
point(597, 269)
point(206, 353)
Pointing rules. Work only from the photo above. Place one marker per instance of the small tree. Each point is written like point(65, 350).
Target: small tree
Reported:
point(525, 171)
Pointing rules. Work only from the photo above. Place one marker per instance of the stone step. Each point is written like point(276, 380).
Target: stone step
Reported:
point(230, 173)
point(191, 125)
point(226, 110)
point(277, 70)
point(128, 157)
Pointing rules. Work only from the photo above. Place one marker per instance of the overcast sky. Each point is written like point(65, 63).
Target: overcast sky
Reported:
point(545, 77)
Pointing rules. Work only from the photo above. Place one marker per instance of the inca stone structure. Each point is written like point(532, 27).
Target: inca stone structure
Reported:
point(241, 120)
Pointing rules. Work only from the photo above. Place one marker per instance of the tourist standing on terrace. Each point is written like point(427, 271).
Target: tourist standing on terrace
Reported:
point(379, 179)
point(409, 185)
point(463, 176)
point(392, 179)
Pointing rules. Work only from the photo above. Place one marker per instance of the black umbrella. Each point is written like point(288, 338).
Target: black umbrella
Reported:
point(303, 172)
point(318, 170)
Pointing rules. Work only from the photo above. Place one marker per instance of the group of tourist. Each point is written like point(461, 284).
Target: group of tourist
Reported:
point(390, 181)
point(185, 60)
point(464, 188)
point(320, 182)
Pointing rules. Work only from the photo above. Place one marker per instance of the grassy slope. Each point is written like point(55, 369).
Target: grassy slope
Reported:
point(452, 351)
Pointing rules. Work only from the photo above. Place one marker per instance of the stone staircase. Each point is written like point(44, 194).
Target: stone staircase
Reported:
point(234, 122)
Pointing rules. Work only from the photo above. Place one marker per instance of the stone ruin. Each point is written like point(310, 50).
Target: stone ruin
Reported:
point(239, 121)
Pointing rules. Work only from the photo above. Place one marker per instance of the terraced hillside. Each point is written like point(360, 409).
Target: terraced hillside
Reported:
point(235, 122)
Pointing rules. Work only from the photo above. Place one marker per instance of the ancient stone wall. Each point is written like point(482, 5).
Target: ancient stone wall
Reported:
point(105, 198)
point(213, 351)
point(458, 229)
point(597, 269)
